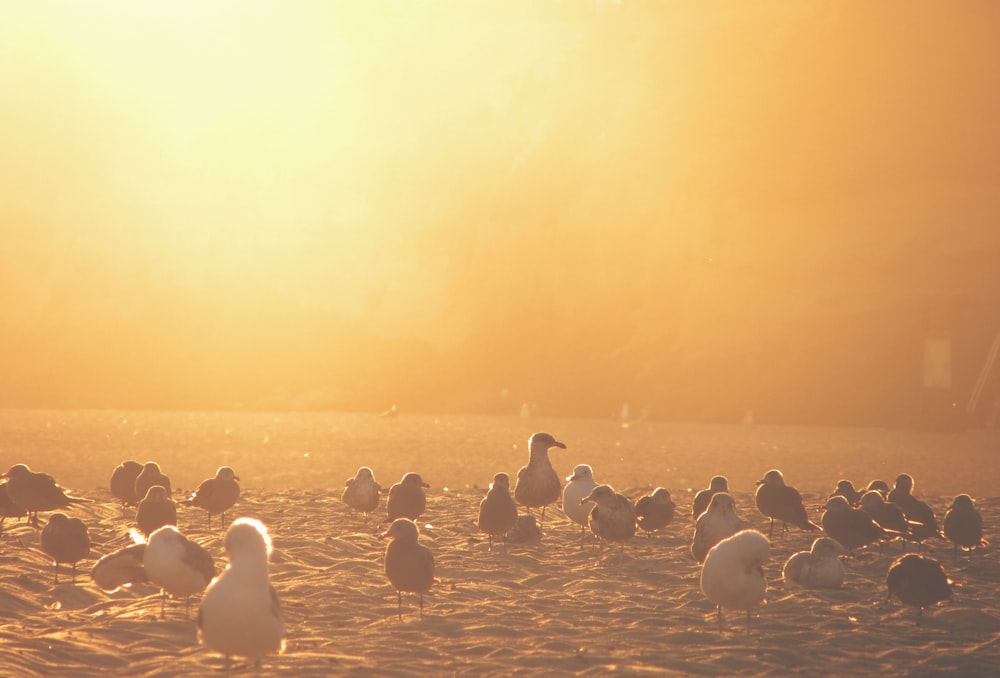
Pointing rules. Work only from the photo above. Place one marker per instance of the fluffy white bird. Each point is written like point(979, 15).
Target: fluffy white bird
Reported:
point(578, 485)
point(819, 567)
point(240, 613)
point(361, 492)
point(733, 573)
point(179, 566)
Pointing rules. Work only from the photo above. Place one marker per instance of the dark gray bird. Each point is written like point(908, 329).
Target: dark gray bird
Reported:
point(537, 482)
point(65, 540)
point(704, 497)
point(150, 475)
point(613, 517)
point(845, 489)
point(716, 523)
point(497, 510)
point(654, 511)
point(918, 581)
point(781, 502)
point(919, 514)
point(8, 509)
point(963, 524)
point(852, 527)
point(36, 492)
point(879, 486)
point(361, 492)
point(216, 495)
point(155, 510)
point(889, 516)
point(407, 498)
point(123, 482)
point(409, 566)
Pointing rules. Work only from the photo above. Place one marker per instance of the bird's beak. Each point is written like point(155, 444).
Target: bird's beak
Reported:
point(760, 482)
point(427, 485)
point(585, 499)
point(556, 443)
point(236, 477)
point(383, 535)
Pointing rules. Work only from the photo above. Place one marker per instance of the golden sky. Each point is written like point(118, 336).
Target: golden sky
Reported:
point(262, 204)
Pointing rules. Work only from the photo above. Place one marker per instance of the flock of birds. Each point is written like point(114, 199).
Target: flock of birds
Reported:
point(240, 613)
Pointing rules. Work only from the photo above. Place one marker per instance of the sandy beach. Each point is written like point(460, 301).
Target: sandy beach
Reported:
point(558, 606)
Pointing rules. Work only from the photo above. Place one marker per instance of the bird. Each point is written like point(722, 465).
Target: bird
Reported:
point(654, 511)
point(65, 540)
point(179, 566)
point(537, 482)
point(819, 567)
point(406, 498)
point(36, 492)
point(716, 523)
point(497, 510)
point(155, 510)
point(120, 569)
point(8, 509)
point(240, 613)
point(149, 476)
point(123, 482)
point(850, 526)
point(845, 489)
point(409, 566)
point(216, 495)
point(578, 486)
point(919, 514)
point(779, 501)
point(526, 530)
point(361, 492)
point(889, 516)
point(733, 573)
point(918, 581)
point(963, 524)
point(879, 486)
point(613, 517)
point(702, 499)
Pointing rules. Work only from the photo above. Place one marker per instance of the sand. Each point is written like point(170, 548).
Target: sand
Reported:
point(554, 607)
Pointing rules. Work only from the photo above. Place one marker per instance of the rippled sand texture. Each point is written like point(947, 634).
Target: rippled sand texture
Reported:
point(558, 606)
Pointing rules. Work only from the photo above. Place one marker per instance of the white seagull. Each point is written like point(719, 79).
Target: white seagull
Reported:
point(578, 486)
point(733, 573)
point(819, 567)
point(179, 566)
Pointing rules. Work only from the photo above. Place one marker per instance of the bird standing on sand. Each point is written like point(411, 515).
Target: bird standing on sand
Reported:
point(578, 486)
point(497, 510)
point(176, 564)
point(240, 613)
point(654, 511)
point(613, 517)
point(36, 492)
point(819, 567)
point(8, 509)
point(361, 492)
point(704, 497)
point(919, 514)
point(963, 524)
point(122, 568)
point(851, 527)
point(407, 498)
point(716, 523)
point(845, 489)
point(781, 502)
point(65, 540)
point(409, 566)
point(123, 482)
point(918, 581)
point(150, 475)
point(537, 482)
point(216, 495)
point(733, 573)
point(889, 516)
point(155, 510)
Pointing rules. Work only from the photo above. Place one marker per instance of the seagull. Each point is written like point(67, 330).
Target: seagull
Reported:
point(176, 564)
point(919, 514)
point(123, 482)
point(702, 499)
point(65, 540)
point(497, 510)
point(845, 489)
point(36, 492)
point(8, 509)
point(879, 486)
point(733, 573)
point(120, 569)
point(918, 581)
point(716, 523)
point(964, 525)
point(654, 511)
point(537, 482)
point(216, 495)
point(578, 486)
point(149, 476)
point(526, 530)
point(782, 502)
point(155, 510)
point(240, 613)
point(851, 527)
point(613, 519)
point(889, 516)
point(819, 567)
point(409, 566)
point(361, 492)
point(406, 498)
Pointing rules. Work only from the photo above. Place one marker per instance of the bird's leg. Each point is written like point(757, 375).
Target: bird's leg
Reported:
point(163, 600)
point(55, 575)
point(421, 605)
point(399, 601)
point(770, 532)
point(748, 622)
point(719, 608)
point(490, 537)
point(73, 576)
